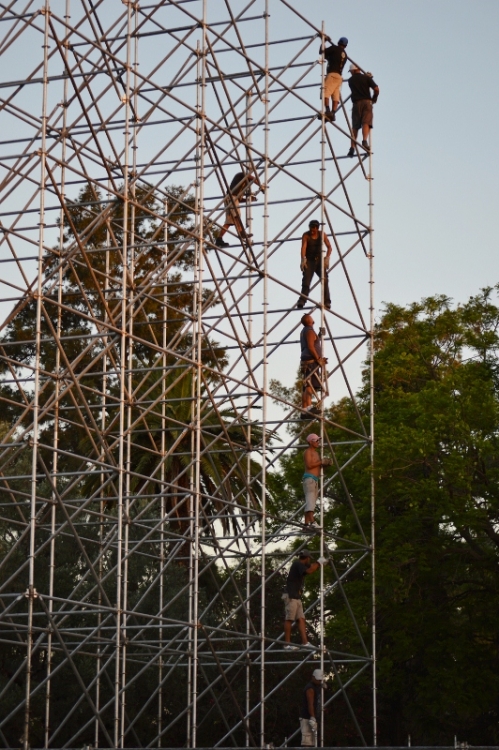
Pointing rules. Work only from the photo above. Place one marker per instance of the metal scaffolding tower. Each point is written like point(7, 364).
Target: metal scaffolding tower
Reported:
point(148, 392)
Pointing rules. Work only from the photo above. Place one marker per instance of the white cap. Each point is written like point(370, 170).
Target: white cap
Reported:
point(353, 67)
point(317, 673)
point(312, 437)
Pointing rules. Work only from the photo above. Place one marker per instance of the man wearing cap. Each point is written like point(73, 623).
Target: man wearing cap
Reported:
point(310, 709)
point(311, 261)
point(362, 105)
point(313, 463)
point(336, 58)
point(293, 608)
point(311, 362)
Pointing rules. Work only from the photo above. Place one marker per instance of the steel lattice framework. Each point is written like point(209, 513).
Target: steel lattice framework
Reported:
point(143, 548)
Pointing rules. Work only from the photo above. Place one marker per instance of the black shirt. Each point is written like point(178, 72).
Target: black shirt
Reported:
point(336, 58)
point(296, 576)
point(305, 713)
point(360, 86)
point(314, 247)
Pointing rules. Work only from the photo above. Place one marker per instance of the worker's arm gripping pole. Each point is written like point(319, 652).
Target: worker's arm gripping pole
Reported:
point(264, 374)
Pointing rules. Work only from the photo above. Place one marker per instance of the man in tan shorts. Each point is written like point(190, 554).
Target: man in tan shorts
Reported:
point(293, 608)
point(336, 58)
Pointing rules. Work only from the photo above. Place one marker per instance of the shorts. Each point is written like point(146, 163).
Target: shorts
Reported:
point(311, 372)
point(308, 738)
point(232, 216)
point(293, 609)
point(332, 86)
point(362, 114)
point(311, 490)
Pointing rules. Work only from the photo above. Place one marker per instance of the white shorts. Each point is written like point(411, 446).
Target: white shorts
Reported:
point(332, 86)
point(311, 492)
point(308, 738)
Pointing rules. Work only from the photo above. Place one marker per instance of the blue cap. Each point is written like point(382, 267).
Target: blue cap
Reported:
point(343, 40)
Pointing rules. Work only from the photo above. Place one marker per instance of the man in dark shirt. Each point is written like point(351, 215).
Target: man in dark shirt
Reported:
point(362, 105)
point(293, 608)
point(336, 58)
point(311, 261)
point(311, 709)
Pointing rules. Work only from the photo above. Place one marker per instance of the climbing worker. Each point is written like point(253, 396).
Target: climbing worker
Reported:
point(311, 261)
point(313, 463)
point(311, 363)
point(311, 709)
point(239, 188)
point(336, 58)
point(293, 608)
point(362, 105)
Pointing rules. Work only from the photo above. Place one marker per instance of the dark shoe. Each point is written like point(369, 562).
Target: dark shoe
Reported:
point(331, 116)
point(300, 305)
point(351, 152)
point(315, 411)
point(220, 243)
point(306, 415)
point(328, 305)
point(366, 146)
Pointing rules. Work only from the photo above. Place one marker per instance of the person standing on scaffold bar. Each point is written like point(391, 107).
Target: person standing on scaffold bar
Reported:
point(311, 362)
point(311, 262)
point(311, 709)
point(336, 58)
point(239, 189)
point(313, 463)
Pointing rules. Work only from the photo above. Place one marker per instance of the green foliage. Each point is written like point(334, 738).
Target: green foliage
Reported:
point(437, 518)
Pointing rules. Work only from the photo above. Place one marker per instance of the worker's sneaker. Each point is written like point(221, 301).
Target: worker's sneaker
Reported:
point(300, 305)
point(312, 525)
point(331, 116)
point(308, 645)
point(366, 146)
point(220, 243)
point(307, 415)
point(290, 647)
point(351, 152)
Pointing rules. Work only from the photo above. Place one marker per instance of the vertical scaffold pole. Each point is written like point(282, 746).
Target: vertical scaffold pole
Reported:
point(31, 591)
point(249, 223)
point(118, 733)
point(371, 425)
point(323, 372)
point(162, 509)
point(264, 377)
point(57, 388)
point(197, 345)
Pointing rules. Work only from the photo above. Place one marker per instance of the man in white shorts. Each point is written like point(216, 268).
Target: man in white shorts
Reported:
point(313, 463)
point(293, 608)
point(336, 58)
point(311, 709)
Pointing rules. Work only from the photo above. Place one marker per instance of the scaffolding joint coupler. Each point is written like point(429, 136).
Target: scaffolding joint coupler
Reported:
point(31, 593)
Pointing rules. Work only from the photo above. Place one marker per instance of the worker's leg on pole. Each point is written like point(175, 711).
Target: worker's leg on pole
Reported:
point(311, 492)
point(302, 628)
point(308, 273)
point(318, 270)
point(287, 631)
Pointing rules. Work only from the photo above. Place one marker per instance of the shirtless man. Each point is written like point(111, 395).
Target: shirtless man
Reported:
point(313, 463)
point(312, 262)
